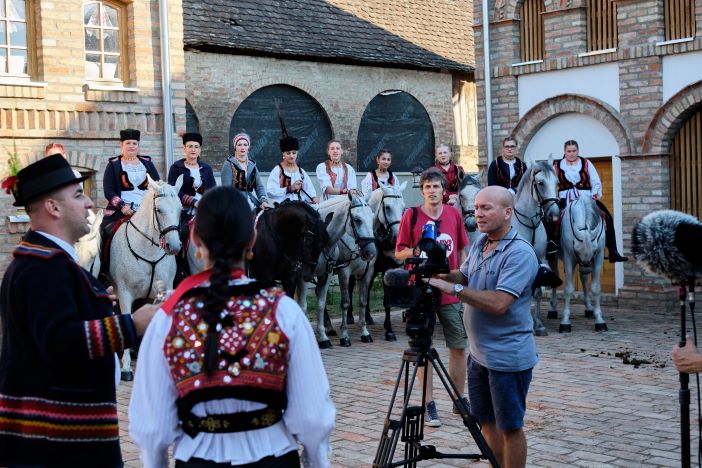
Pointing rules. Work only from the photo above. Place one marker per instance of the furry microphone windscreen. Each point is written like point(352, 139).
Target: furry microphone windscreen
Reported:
point(667, 243)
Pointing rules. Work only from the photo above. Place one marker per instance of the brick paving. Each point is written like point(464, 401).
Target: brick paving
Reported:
point(585, 407)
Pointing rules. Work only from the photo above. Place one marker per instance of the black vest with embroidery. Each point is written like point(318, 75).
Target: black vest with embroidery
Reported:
point(565, 184)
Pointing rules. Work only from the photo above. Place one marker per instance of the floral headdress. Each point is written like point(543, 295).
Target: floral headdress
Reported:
point(9, 183)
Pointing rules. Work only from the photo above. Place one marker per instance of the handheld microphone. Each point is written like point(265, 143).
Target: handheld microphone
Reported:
point(396, 277)
point(666, 242)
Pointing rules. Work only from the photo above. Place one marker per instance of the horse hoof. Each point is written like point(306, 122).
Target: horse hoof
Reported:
point(541, 332)
point(127, 376)
point(326, 344)
point(564, 328)
point(600, 327)
point(345, 342)
point(332, 332)
point(589, 313)
point(390, 336)
point(552, 314)
point(367, 339)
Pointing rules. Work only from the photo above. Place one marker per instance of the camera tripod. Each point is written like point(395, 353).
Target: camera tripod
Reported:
point(410, 426)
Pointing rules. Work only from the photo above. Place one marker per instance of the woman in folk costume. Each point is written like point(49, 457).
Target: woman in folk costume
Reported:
point(452, 172)
point(507, 170)
point(125, 182)
point(197, 175)
point(335, 177)
point(287, 180)
point(380, 176)
point(229, 371)
point(577, 177)
point(238, 170)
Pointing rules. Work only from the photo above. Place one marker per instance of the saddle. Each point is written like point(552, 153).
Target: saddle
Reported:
point(107, 232)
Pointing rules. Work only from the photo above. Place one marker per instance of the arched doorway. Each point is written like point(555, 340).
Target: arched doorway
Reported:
point(304, 118)
point(395, 120)
point(192, 123)
point(686, 166)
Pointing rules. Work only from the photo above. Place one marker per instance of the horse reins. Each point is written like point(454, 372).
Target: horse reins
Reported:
point(162, 234)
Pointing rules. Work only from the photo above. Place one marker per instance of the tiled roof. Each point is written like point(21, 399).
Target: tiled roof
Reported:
point(417, 34)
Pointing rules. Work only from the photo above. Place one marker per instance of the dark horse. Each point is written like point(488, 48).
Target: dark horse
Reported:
point(290, 239)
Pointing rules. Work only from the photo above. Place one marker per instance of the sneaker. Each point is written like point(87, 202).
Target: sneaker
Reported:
point(431, 416)
point(465, 403)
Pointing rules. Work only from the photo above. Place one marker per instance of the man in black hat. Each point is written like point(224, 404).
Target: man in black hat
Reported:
point(60, 334)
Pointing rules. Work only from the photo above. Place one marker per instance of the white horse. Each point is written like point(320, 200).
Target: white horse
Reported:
point(143, 250)
point(351, 216)
point(88, 246)
point(470, 186)
point(388, 206)
point(582, 243)
point(536, 198)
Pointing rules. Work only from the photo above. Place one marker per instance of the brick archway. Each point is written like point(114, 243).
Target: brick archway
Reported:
point(546, 110)
point(670, 117)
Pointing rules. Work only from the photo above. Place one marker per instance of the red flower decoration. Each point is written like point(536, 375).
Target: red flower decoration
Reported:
point(9, 183)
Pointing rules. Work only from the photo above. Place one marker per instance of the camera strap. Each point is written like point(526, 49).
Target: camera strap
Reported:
point(413, 223)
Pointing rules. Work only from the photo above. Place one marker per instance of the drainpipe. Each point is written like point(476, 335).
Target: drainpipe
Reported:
point(166, 84)
point(488, 82)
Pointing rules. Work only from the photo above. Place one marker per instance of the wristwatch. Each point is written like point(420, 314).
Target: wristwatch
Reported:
point(457, 288)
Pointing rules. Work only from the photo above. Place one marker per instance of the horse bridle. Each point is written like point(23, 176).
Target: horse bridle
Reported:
point(384, 231)
point(162, 234)
point(544, 205)
point(296, 264)
point(575, 236)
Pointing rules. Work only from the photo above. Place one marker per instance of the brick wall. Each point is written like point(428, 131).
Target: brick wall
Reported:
point(60, 107)
point(643, 125)
point(217, 84)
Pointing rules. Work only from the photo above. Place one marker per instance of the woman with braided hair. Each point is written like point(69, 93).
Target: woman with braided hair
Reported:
point(230, 371)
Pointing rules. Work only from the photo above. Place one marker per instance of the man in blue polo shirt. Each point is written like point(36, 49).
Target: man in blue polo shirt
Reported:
point(495, 283)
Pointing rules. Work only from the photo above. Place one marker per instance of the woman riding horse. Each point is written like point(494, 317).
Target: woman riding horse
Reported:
point(578, 177)
point(507, 170)
point(238, 170)
point(381, 176)
point(335, 177)
point(287, 180)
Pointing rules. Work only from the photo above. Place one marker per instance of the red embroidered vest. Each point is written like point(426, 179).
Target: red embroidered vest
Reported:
point(286, 181)
point(374, 179)
point(565, 184)
point(332, 174)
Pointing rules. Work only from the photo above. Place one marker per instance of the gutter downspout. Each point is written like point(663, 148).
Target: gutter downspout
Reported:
point(487, 80)
point(166, 84)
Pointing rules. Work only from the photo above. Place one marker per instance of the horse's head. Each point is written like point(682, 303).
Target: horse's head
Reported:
point(584, 230)
point(359, 225)
point(543, 185)
point(470, 186)
point(388, 205)
point(166, 209)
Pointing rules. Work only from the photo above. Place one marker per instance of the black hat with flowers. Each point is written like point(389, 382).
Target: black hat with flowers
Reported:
point(41, 177)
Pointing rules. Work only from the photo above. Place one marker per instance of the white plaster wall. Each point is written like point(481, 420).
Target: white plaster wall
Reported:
point(679, 71)
point(597, 81)
point(592, 136)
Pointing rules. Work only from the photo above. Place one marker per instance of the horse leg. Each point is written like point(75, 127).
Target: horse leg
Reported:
point(349, 313)
point(300, 294)
point(387, 324)
point(363, 294)
point(553, 311)
point(125, 305)
point(539, 328)
point(321, 290)
point(345, 300)
point(600, 324)
point(369, 317)
point(567, 294)
point(587, 300)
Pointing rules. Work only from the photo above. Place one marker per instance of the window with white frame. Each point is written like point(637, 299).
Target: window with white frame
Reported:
point(104, 44)
point(14, 56)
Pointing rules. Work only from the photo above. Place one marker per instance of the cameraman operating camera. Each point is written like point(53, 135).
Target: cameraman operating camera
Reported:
point(498, 276)
point(449, 224)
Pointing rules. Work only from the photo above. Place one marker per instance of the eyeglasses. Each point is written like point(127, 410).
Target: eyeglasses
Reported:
point(509, 146)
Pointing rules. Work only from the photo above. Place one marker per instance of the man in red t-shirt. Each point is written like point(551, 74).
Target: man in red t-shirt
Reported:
point(451, 233)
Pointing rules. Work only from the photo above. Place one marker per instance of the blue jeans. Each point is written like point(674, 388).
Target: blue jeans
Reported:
point(496, 396)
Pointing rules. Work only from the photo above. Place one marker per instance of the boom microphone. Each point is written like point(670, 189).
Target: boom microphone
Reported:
point(666, 242)
point(396, 277)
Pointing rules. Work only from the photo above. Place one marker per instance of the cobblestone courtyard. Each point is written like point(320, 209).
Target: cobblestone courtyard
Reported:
point(586, 406)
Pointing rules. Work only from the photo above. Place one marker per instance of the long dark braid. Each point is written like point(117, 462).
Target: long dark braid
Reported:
point(225, 225)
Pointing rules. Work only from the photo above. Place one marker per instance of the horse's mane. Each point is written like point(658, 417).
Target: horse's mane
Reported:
point(470, 179)
point(302, 205)
point(540, 165)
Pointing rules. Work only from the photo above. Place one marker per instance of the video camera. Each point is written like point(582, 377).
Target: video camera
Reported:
point(406, 288)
